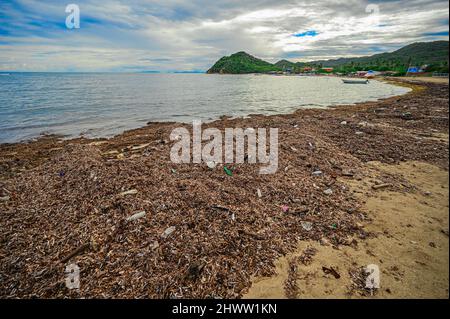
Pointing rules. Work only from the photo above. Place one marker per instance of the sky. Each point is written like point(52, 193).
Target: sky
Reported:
point(181, 35)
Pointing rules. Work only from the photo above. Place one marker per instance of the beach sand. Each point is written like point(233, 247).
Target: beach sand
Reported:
point(386, 162)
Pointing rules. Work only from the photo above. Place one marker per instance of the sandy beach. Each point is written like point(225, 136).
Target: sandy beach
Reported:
point(381, 197)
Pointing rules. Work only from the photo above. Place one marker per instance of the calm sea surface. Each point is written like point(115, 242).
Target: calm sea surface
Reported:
point(102, 105)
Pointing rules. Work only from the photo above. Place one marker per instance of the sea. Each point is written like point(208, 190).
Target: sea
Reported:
point(106, 104)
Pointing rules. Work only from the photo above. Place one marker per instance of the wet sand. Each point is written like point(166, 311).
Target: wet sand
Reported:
point(67, 201)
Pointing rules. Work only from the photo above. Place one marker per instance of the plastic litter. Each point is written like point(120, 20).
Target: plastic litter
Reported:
point(228, 171)
point(135, 216)
point(211, 164)
point(258, 192)
point(306, 225)
point(168, 232)
point(129, 192)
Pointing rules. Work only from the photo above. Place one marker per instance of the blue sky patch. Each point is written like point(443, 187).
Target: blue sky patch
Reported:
point(436, 34)
point(309, 33)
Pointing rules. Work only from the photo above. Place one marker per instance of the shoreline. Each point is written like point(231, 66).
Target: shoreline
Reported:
point(85, 136)
point(64, 194)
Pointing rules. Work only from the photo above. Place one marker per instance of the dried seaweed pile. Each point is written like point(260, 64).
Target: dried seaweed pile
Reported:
point(139, 226)
point(220, 231)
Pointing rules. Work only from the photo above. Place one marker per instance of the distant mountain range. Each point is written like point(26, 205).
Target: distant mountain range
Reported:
point(432, 54)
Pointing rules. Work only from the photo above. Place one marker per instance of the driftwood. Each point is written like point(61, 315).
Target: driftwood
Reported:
point(76, 252)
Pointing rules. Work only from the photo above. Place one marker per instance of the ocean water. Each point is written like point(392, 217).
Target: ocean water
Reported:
point(103, 105)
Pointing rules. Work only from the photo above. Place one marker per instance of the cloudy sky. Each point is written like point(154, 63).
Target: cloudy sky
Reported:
point(182, 35)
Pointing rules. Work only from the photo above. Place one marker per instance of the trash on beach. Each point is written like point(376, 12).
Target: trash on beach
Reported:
point(359, 133)
point(406, 116)
point(347, 173)
point(317, 173)
point(211, 164)
point(258, 191)
point(285, 208)
point(62, 173)
point(167, 232)
point(307, 225)
point(344, 123)
point(135, 216)
point(380, 186)
point(328, 191)
point(139, 147)
point(129, 192)
point(195, 269)
point(331, 271)
point(363, 124)
point(76, 252)
point(293, 149)
point(228, 171)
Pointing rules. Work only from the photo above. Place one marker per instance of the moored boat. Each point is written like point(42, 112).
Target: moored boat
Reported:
point(355, 81)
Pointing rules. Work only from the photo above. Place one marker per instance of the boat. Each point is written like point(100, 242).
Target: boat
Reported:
point(355, 81)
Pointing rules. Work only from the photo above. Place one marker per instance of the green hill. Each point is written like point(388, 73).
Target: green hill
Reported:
point(433, 54)
point(285, 64)
point(241, 63)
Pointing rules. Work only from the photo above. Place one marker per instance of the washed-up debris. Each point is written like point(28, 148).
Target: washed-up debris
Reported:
point(258, 192)
point(332, 271)
point(328, 191)
point(139, 147)
point(324, 241)
point(347, 173)
point(307, 256)
point(307, 225)
point(76, 252)
point(407, 116)
point(195, 269)
point(432, 244)
point(317, 173)
point(129, 192)
point(359, 133)
point(168, 232)
point(228, 171)
point(211, 164)
point(135, 216)
point(48, 217)
point(343, 123)
point(291, 288)
point(285, 208)
point(380, 186)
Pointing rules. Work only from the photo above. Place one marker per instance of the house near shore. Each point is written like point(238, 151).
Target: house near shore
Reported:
point(361, 73)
